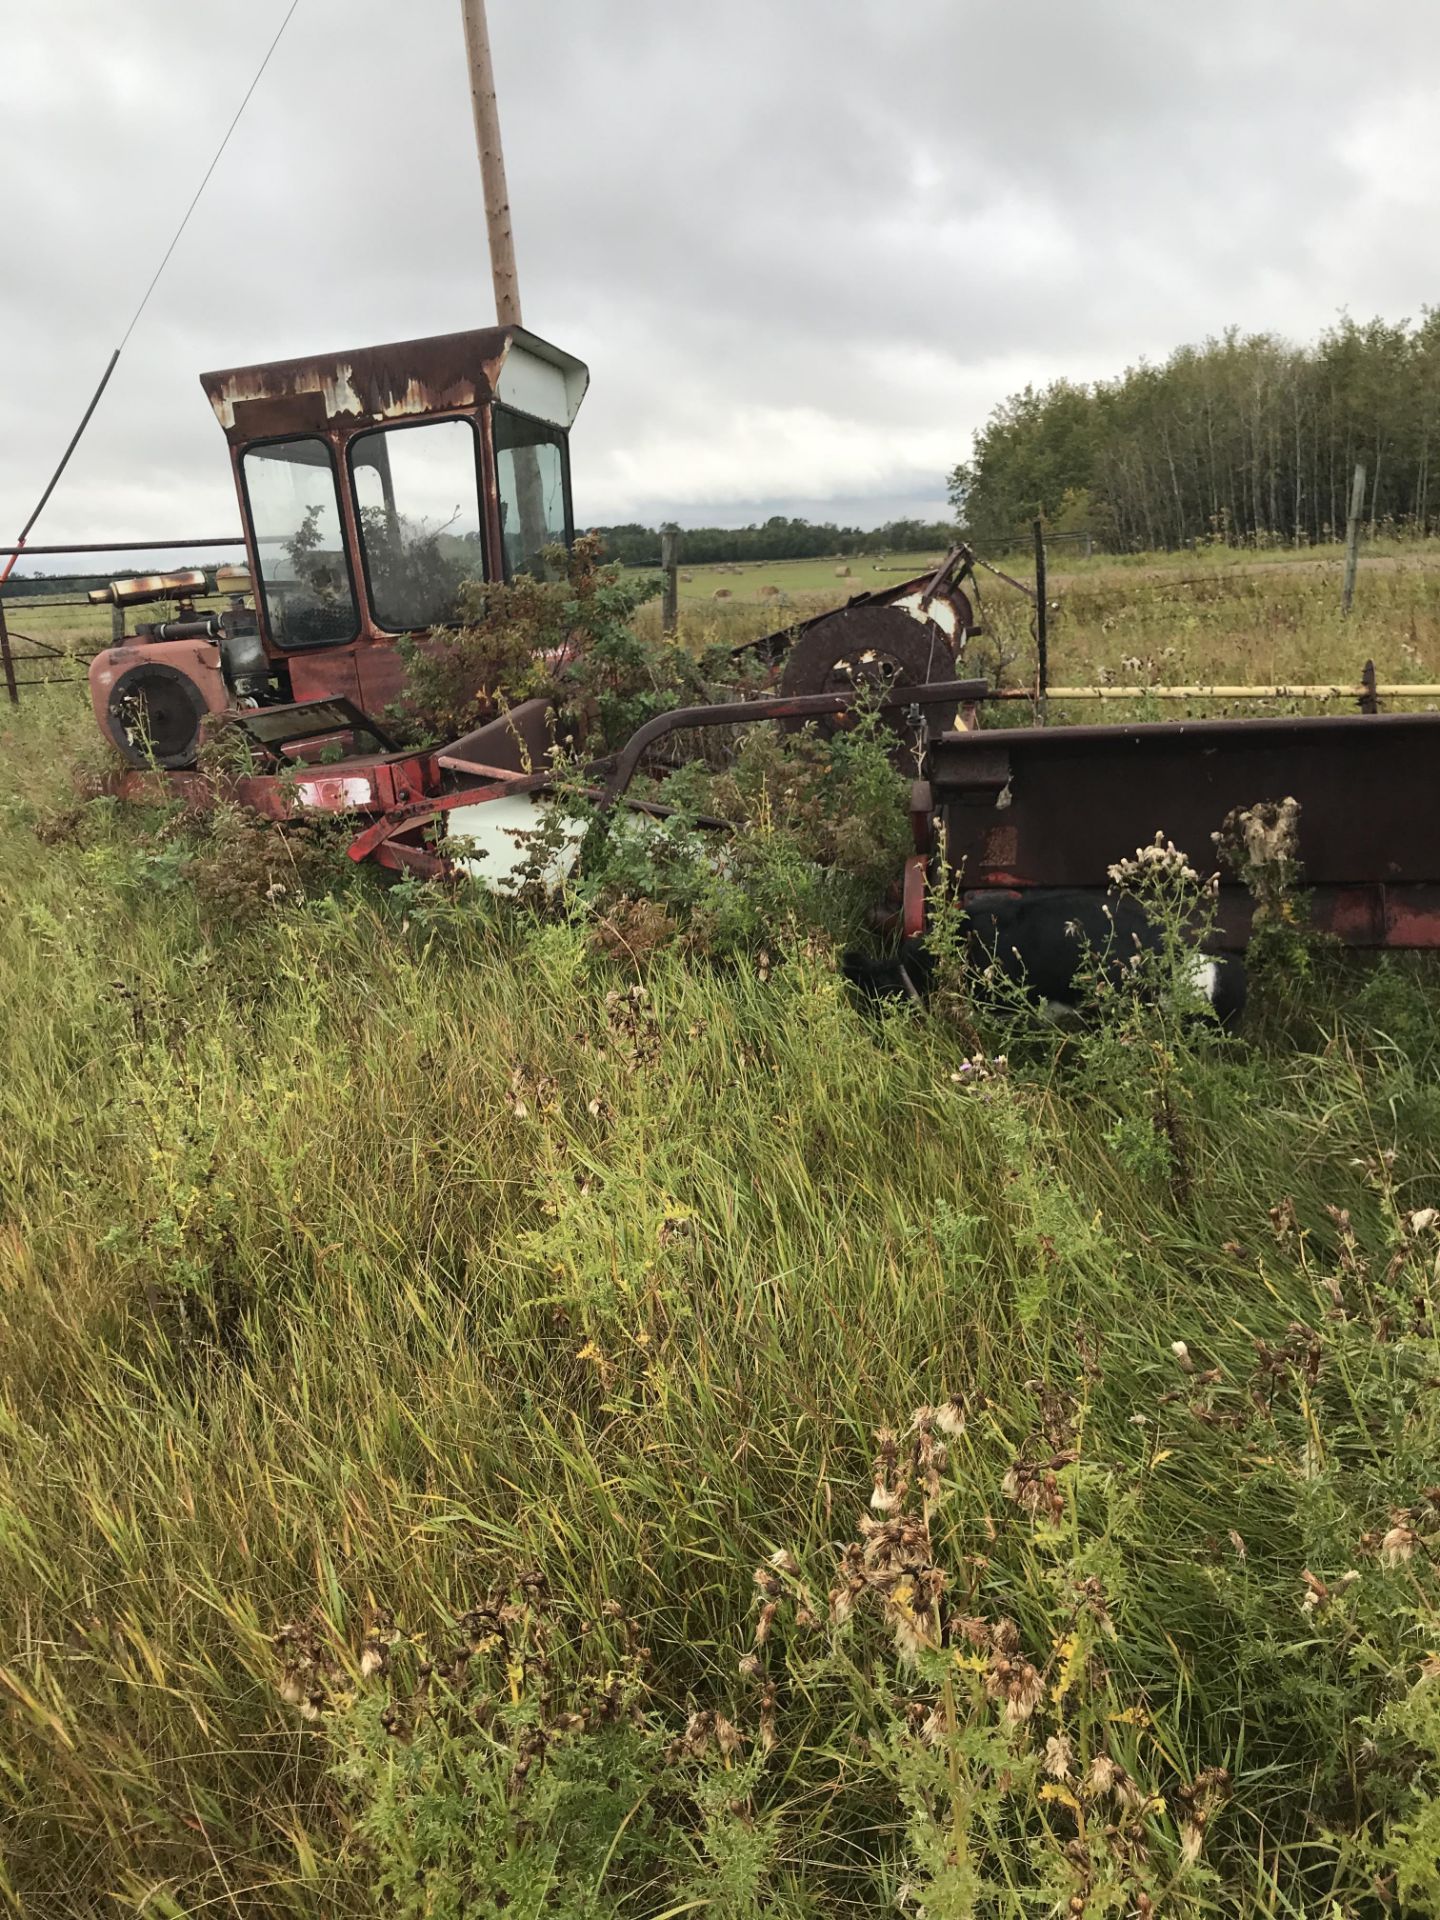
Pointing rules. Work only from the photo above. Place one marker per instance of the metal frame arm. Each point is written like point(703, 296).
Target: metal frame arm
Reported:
point(794, 707)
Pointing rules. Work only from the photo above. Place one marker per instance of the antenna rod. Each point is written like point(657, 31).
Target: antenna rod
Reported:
point(492, 164)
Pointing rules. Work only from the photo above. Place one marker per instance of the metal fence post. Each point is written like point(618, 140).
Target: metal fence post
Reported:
point(7, 659)
point(1042, 633)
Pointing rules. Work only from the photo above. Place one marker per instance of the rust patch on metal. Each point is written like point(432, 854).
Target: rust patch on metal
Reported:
point(1002, 847)
point(268, 418)
point(1080, 798)
point(449, 371)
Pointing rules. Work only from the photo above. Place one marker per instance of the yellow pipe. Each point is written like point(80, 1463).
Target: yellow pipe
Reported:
point(1328, 692)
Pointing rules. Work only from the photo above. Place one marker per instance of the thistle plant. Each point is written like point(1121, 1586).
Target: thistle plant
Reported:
point(1018, 1758)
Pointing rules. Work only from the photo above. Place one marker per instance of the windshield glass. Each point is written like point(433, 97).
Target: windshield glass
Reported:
point(295, 515)
point(417, 492)
point(531, 470)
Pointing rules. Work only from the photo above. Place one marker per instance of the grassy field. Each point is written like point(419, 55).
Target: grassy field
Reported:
point(827, 579)
point(486, 1431)
point(1217, 617)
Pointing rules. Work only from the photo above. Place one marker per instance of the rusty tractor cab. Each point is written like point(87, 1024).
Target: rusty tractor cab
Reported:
point(373, 485)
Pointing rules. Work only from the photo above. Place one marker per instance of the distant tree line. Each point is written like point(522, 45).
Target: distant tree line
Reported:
point(1246, 439)
point(778, 539)
point(32, 586)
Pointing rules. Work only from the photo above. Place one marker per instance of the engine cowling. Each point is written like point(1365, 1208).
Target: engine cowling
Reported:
point(151, 700)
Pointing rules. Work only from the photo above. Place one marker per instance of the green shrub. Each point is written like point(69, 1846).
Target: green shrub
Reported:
point(567, 636)
point(819, 834)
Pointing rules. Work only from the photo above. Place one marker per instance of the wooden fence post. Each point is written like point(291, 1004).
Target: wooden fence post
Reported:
point(670, 594)
point(1042, 632)
point(1352, 538)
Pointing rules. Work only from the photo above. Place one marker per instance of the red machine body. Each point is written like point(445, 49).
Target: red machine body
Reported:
point(375, 486)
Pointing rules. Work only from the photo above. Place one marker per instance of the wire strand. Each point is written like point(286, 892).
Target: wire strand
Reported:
point(155, 280)
point(179, 231)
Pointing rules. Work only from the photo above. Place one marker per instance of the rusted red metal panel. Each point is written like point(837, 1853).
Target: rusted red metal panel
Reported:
point(368, 783)
point(326, 673)
point(514, 742)
point(261, 793)
point(1412, 916)
point(382, 676)
point(448, 371)
point(403, 856)
point(1054, 807)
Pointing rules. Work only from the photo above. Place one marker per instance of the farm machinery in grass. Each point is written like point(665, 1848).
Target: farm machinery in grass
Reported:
point(373, 484)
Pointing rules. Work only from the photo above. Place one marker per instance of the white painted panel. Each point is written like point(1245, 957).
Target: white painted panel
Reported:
point(496, 830)
point(334, 792)
point(939, 610)
point(534, 386)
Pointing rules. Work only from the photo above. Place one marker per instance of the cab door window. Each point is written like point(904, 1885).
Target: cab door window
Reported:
point(532, 471)
point(294, 508)
point(417, 499)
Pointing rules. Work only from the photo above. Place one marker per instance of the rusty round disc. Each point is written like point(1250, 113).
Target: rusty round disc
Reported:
point(874, 647)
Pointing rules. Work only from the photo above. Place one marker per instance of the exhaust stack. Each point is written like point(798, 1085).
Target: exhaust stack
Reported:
point(150, 586)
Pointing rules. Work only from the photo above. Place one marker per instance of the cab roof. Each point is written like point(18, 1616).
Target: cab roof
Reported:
point(406, 379)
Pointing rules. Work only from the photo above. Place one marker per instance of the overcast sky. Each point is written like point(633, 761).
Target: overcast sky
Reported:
point(804, 245)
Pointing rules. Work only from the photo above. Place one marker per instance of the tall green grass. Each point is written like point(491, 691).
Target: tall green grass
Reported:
point(354, 1261)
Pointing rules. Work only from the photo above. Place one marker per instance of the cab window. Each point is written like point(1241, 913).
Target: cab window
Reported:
point(533, 475)
point(417, 498)
point(294, 506)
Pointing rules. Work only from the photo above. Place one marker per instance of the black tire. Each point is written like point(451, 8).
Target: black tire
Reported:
point(154, 715)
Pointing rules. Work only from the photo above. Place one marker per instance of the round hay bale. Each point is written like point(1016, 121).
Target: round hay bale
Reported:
point(722, 593)
point(768, 592)
point(687, 576)
point(842, 573)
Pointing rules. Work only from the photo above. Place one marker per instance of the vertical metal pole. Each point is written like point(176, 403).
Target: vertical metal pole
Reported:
point(492, 163)
point(1042, 629)
point(670, 595)
point(7, 660)
point(1352, 538)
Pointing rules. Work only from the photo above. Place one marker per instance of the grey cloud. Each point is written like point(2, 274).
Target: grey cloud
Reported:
point(804, 246)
